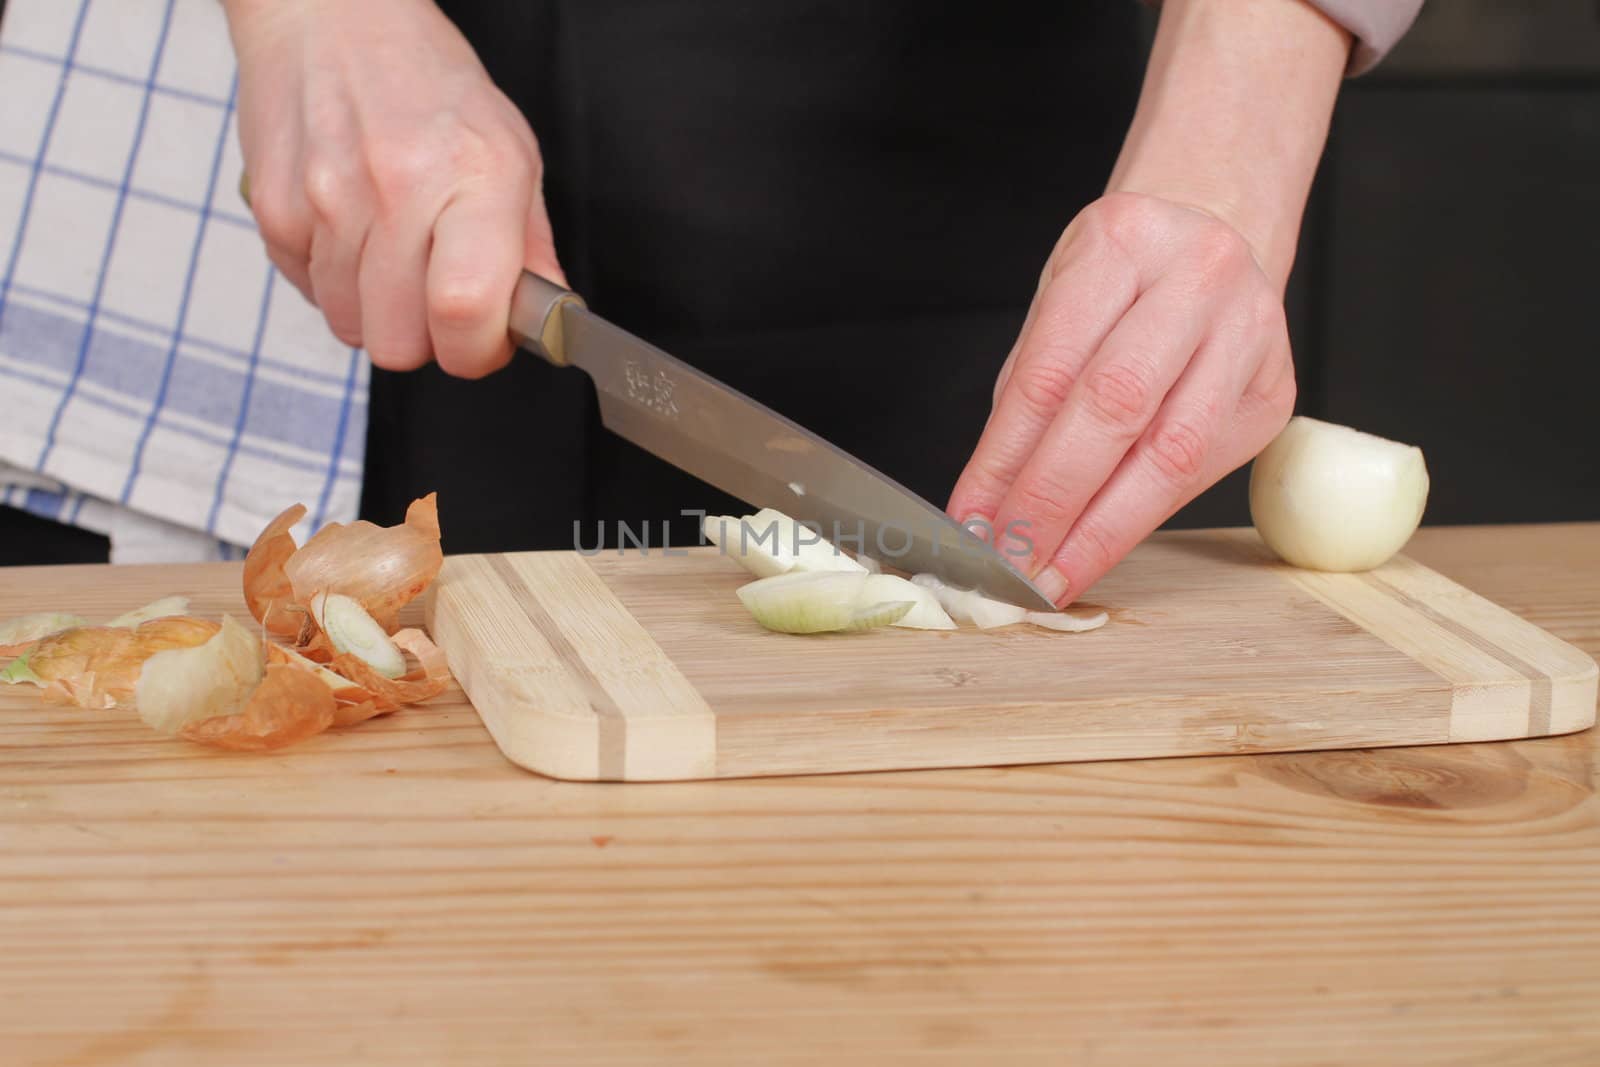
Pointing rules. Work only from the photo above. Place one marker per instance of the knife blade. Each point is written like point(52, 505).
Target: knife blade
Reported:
point(746, 449)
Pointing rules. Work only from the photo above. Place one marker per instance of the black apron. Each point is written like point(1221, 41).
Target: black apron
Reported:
point(839, 208)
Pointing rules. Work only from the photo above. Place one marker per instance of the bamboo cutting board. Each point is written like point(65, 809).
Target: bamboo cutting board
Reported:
point(643, 666)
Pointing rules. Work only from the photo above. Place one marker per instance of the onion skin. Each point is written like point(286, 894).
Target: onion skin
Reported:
point(381, 567)
point(98, 667)
point(266, 588)
point(288, 706)
point(1329, 498)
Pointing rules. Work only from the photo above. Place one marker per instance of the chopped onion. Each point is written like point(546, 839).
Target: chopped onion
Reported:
point(182, 686)
point(18, 634)
point(1072, 624)
point(351, 630)
point(927, 614)
point(967, 605)
point(382, 568)
point(770, 543)
point(827, 602)
point(1331, 498)
point(156, 609)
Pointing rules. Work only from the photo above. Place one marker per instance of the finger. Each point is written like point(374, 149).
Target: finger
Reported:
point(285, 221)
point(1109, 407)
point(341, 203)
point(334, 269)
point(1094, 287)
point(1202, 432)
point(477, 257)
point(394, 293)
point(540, 243)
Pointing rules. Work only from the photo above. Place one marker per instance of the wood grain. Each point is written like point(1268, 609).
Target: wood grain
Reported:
point(641, 666)
point(399, 893)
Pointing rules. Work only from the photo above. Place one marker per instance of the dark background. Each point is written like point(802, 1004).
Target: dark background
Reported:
point(1447, 290)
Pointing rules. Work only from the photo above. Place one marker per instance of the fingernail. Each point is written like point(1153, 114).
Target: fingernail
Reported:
point(1052, 583)
point(978, 525)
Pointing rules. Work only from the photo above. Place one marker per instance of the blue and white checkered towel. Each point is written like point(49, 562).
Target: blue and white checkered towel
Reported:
point(159, 381)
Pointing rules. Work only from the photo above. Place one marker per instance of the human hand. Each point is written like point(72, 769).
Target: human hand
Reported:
point(1153, 361)
point(393, 183)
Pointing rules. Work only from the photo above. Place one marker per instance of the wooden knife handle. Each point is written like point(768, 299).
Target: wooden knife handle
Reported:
point(536, 318)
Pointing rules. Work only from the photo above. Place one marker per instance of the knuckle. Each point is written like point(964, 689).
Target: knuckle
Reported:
point(462, 302)
point(1041, 499)
point(1178, 449)
point(1219, 252)
point(1119, 395)
point(1093, 547)
point(330, 189)
point(1117, 216)
point(397, 170)
point(1281, 400)
point(1043, 385)
point(282, 228)
point(1267, 313)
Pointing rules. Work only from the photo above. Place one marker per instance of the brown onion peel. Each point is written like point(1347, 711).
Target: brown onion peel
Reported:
point(288, 706)
point(382, 568)
point(267, 591)
point(97, 667)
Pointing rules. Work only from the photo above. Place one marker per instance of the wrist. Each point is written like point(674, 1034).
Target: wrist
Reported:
point(1234, 114)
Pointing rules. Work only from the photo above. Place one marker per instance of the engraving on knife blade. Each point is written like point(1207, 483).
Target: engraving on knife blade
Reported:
point(651, 391)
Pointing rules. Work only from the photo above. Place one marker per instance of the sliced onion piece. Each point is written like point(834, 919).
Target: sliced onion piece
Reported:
point(737, 541)
point(769, 543)
point(351, 630)
point(267, 591)
point(809, 549)
point(182, 686)
point(811, 603)
point(927, 614)
point(382, 568)
point(1067, 623)
point(1331, 498)
point(156, 609)
point(967, 605)
point(19, 633)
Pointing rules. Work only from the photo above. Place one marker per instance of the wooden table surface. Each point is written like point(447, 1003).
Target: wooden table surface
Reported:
point(400, 894)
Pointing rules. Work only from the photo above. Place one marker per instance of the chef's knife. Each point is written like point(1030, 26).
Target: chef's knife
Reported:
point(720, 436)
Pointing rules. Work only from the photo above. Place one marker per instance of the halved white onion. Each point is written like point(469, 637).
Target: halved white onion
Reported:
point(1331, 498)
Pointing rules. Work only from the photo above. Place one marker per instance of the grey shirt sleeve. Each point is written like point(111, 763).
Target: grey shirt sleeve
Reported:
point(1376, 24)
